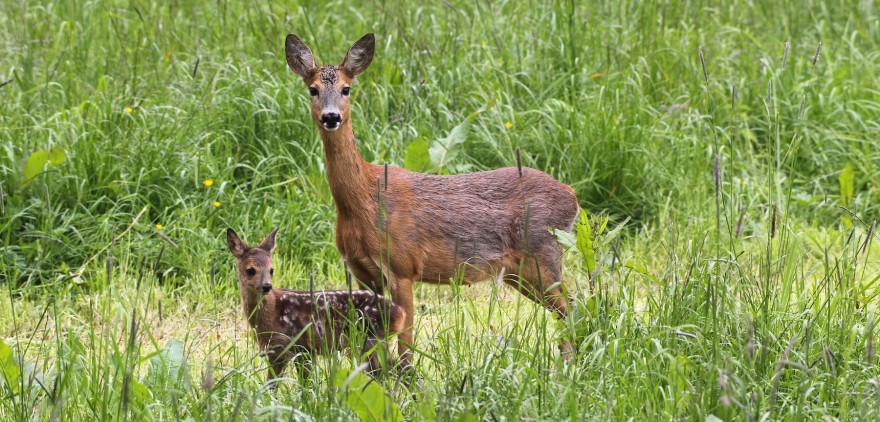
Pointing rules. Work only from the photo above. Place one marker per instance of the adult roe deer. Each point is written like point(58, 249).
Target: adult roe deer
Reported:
point(433, 228)
point(292, 325)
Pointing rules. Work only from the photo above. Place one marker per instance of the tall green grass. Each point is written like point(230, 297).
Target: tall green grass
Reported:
point(742, 286)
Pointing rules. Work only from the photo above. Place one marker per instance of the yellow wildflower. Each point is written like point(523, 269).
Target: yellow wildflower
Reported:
point(129, 110)
point(208, 183)
point(216, 204)
point(158, 227)
point(508, 125)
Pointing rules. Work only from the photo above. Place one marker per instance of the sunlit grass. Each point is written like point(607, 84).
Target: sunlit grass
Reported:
point(181, 119)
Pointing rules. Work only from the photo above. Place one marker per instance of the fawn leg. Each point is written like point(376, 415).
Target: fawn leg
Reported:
point(374, 366)
point(303, 364)
point(277, 363)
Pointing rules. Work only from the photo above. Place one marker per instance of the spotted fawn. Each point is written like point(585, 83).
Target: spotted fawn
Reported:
point(293, 325)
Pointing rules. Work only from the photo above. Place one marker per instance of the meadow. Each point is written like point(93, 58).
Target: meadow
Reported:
point(724, 154)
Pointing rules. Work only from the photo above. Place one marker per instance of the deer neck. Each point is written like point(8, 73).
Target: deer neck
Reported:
point(255, 305)
point(350, 177)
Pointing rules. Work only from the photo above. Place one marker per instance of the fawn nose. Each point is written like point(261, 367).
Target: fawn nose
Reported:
point(331, 120)
point(266, 287)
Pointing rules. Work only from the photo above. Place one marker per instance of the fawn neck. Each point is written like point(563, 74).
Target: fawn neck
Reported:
point(350, 177)
point(255, 305)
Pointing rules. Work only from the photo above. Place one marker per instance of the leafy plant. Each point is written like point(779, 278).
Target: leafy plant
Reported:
point(585, 239)
point(169, 366)
point(9, 368)
point(366, 397)
point(436, 157)
point(36, 163)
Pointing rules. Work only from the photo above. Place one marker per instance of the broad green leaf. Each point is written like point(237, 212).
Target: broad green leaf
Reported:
point(35, 165)
point(566, 239)
point(139, 393)
point(57, 155)
point(585, 241)
point(9, 368)
point(367, 398)
point(168, 364)
point(417, 156)
point(443, 150)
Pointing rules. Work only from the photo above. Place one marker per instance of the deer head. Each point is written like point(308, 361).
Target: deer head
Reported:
point(254, 264)
point(329, 86)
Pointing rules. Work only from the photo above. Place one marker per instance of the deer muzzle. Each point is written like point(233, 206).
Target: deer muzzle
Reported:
point(265, 285)
point(331, 120)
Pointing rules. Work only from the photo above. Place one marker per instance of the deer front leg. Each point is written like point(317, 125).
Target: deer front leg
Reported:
point(402, 294)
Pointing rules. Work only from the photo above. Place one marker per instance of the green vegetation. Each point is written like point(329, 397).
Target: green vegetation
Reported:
point(733, 272)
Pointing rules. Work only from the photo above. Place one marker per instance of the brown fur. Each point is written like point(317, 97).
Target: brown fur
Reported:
point(293, 325)
point(494, 219)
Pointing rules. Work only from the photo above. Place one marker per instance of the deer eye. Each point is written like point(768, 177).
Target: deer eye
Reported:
point(345, 90)
point(272, 271)
point(251, 272)
point(313, 91)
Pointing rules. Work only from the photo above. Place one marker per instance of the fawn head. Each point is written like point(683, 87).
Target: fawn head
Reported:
point(329, 86)
point(254, 264)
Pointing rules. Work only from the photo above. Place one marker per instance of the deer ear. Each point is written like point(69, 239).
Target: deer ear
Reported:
point(268, 244)
point(299, 57)
point(359, 56)
point(234, 243)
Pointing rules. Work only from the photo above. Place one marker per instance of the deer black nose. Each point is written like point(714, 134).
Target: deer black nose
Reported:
point(330, 119)
point(267, 287)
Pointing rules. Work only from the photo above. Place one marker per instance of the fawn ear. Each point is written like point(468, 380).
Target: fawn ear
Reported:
point(359, 56)
point(299, 57)
point(234, 243)
point(268, 244)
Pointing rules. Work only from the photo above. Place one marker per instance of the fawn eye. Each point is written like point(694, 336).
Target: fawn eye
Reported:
point(272, 271)
point(313, 91)
point(251, 272)
point(345, 90)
